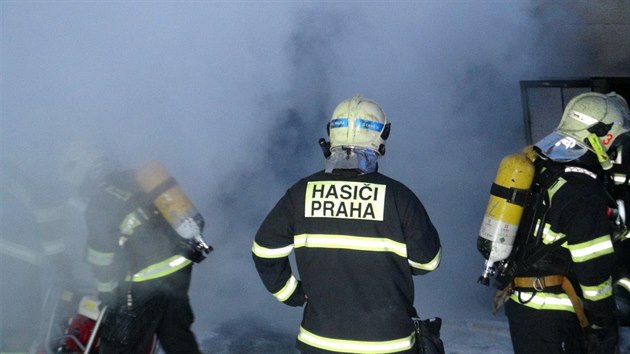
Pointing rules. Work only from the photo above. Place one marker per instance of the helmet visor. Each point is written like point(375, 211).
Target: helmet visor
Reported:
point(560, 148)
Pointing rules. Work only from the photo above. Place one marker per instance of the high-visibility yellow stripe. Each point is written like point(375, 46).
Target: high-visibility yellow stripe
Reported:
point(549, 236)
point(158, 270)
point(106, 287)
point(20, 252)
point(264, 252)
point(128, 224)
point(288, 289)
point(598, 292)
point(350, 242)
point(624, 283)
point(99, 258)
point(353, 346)
point(431, 265)
point(544, 301)
point(586, 251)
point(54, 247)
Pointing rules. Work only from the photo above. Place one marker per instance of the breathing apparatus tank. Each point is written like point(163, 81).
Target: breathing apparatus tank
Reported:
point(169, 199)
point(504, 210)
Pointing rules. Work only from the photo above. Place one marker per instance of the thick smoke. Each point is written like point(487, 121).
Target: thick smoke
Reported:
point(234, 97)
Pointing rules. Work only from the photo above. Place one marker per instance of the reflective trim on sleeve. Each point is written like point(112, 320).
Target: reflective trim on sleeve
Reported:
point(106, 287)
point(350, 242)
point(20, 252)
point(598, 292)
point(46, 215)
point(54, 247)
point(543, 301)
point(431, 265)
point(264, 252)
point(98, 258)
point(624, 283)
point(354, 346)
point(586, 251)
point(549, 236)
point(158, 270)
point(130, 222)
point(287, 290)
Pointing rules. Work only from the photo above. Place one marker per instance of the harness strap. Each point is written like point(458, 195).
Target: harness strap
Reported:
point(539, 283)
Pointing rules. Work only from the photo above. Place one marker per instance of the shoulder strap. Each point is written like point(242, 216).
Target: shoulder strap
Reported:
point(539, 201)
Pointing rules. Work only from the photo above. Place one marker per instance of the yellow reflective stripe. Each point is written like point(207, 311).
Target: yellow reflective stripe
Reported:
point(624, 283)
point(130, 222)
point(586, 251)
point(287, 290)
point(158, 270)
point(431, 265)
point(555, 187)
point(106, 286)
point(353, 346)
point(549, 236)
point(544, 301)
point(598, 292)
point(350, 242)
point(99, 258)
point(20, 252)
point(264, 252)
point(54, 247)
point(44, 215)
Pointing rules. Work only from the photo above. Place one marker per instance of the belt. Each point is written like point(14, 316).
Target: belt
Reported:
point(540, 283)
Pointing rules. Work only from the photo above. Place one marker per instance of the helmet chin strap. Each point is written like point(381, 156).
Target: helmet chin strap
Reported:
point(600, 152)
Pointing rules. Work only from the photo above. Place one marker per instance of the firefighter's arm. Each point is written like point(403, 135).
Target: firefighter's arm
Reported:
point(424, 251)
point(591, 248)
point(101, 254)
point(271, 249)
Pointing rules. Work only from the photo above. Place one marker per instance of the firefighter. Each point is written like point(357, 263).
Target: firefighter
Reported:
point(358, 237)
point(620, 190)
point(561, 300)
point(33, 254)
point(142, 270)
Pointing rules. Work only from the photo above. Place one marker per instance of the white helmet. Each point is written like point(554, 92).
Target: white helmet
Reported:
point(591, 121)
point(82, 165)
point(359, 122)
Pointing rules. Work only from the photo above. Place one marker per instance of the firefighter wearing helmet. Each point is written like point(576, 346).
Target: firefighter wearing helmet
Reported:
point(141, 261)
point(358, 238)
point(560, 299)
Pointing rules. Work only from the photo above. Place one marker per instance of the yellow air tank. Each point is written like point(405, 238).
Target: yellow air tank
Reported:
point(505, 208)
point(170, 200)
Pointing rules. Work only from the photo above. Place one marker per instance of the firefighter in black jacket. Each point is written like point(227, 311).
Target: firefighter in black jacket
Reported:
point(358, 237)
point(561, 298)
point(141, 265)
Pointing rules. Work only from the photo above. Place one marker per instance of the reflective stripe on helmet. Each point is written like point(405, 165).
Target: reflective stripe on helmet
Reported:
point(354, 346)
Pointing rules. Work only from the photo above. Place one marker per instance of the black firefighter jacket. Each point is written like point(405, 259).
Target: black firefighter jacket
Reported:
point(577, 221)
point(127, 238)
point(358, 239)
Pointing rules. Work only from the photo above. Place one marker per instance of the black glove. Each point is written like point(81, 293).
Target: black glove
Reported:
point(193, 250)
point(601, 339)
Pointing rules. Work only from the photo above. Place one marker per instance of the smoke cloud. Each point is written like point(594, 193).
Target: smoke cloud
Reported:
point(233, 97)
